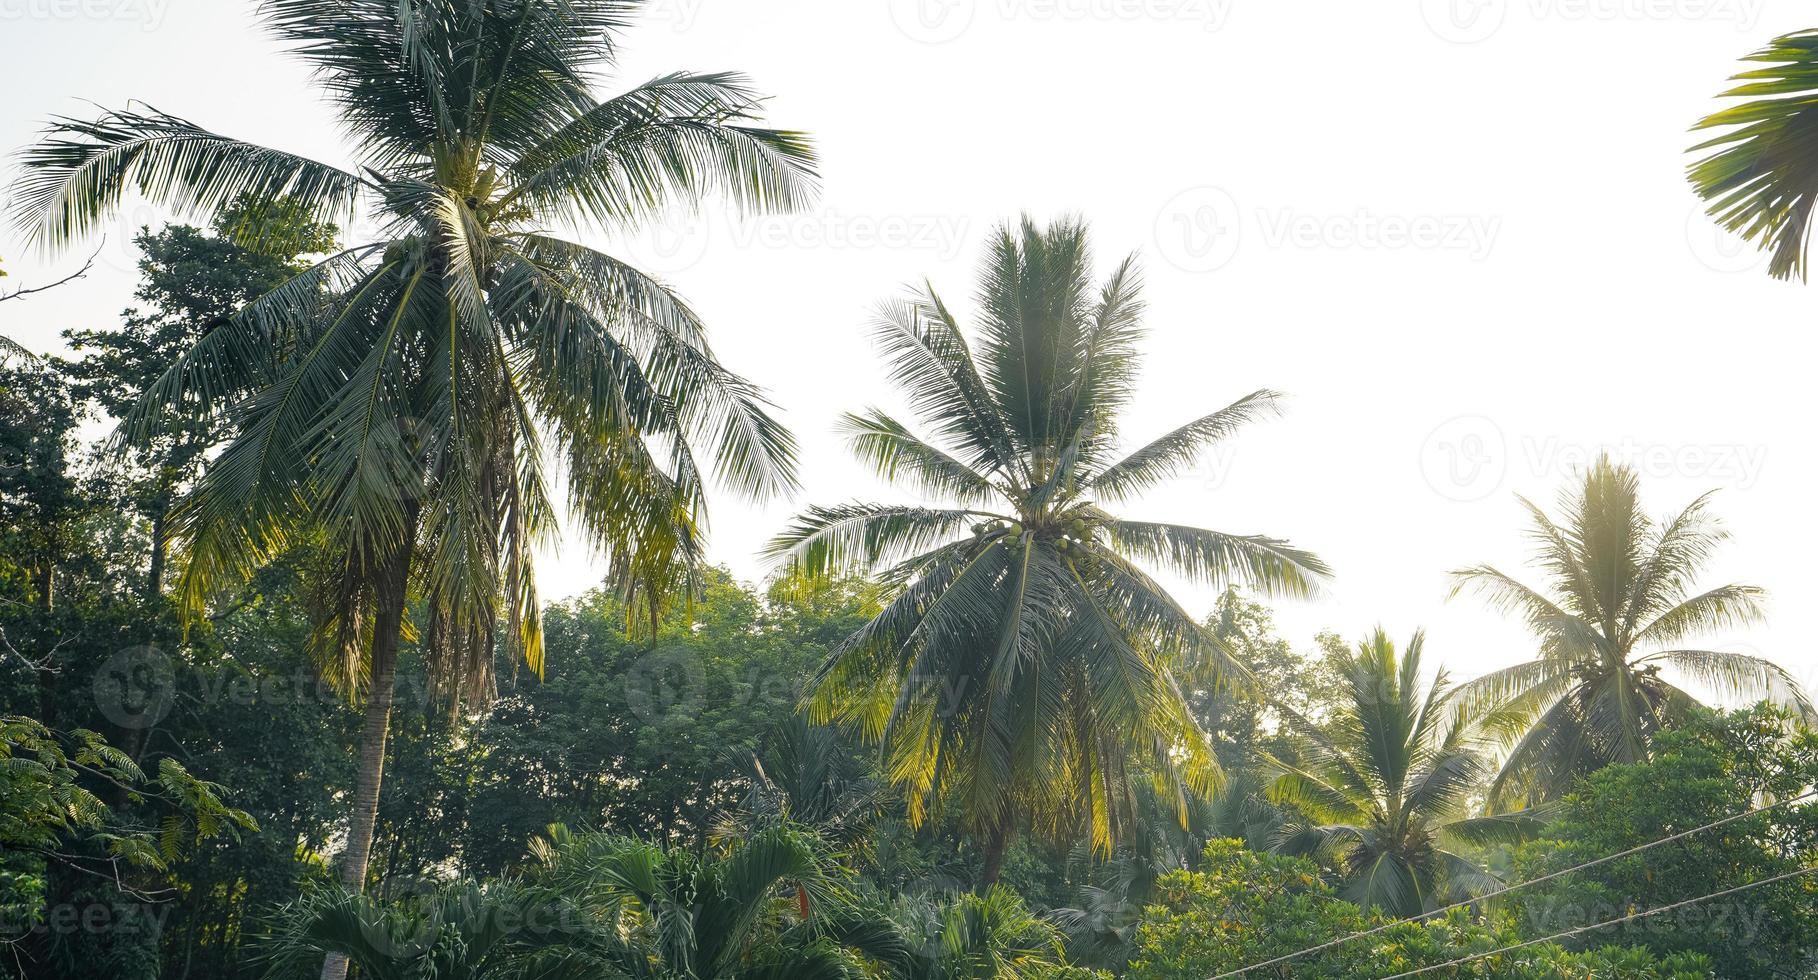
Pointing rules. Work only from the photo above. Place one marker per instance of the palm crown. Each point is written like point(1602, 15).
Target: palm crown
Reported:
point(1025, 657)
point(1622, 608)
point(1387, 781)
point(402, 394)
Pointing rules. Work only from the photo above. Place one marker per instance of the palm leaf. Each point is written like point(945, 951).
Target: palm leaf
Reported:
point(79, 171)
point(1760, 179)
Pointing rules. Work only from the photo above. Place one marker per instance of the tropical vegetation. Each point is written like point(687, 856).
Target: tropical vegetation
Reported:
point(279, 696)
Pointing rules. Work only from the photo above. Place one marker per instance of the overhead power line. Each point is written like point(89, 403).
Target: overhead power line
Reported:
point(1340, 941)
point(1569, 933)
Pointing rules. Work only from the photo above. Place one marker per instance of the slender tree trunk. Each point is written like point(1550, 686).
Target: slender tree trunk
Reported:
point(154, 575)
point(46, 575)
point(374, 733)
point(996, 845)
point(47, 585)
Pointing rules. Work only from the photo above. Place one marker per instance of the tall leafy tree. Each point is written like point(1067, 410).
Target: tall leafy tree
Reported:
point(1387, 782)
point(1621, 607)
point(1760, 175)
point(1025, 663)
point(40, 495)
point(393, 405)
point(190, 282)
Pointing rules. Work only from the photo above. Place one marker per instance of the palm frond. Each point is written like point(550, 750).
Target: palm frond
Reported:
point(896, 454)
point(679, 136)
point(1724, 607)
point(1264, 564)
point(1759, 179)
point(859, 537)
point(1739, 675)
point(1169, 455)
point(77, 174)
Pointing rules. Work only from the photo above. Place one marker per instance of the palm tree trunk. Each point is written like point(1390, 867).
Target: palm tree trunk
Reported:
point(374, 733)
point(996, 845)
point(154, 576)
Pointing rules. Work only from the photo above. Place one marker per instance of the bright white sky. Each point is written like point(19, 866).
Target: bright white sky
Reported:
point(1456, 232)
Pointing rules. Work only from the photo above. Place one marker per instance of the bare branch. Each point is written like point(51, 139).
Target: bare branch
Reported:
point(79, 273)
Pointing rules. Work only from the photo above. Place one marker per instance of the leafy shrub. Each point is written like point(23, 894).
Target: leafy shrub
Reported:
point(1243, 907)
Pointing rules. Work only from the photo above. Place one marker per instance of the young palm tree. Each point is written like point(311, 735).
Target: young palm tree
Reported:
point(763, 909)
point(497, 931)
point(1761, 176)
point(1025, 663)
point(976, 937)
point(806, 776)
point(1387, 782)
point(394, 403)
point(1621, 609)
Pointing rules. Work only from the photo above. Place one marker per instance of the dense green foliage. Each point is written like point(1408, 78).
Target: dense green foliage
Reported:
point(1242, 908)
point(684, 745)
point(1715, 767)
point(961, 739)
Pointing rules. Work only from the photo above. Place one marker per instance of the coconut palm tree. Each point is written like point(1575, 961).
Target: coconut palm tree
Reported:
point(1386, 784)
point(765, 908)
point(394, 404)
point(1025, 663)
point(1761, 174)
point(1621, 608)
